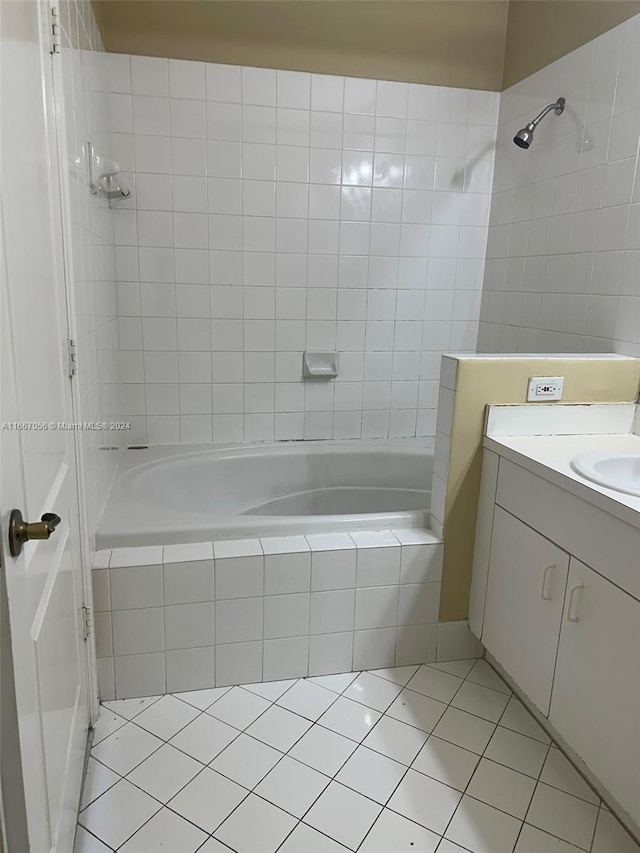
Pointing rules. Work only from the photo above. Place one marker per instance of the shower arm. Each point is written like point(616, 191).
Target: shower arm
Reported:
point(557, 107)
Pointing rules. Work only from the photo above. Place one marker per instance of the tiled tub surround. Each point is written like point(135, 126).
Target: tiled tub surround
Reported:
point(188, 617)
point(405, 760)
point(563, 259)
point(275, 212)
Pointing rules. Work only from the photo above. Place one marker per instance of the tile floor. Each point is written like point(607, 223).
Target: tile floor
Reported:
point(420, 758)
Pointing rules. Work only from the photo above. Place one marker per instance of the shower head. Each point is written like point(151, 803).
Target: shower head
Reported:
point(524, 137)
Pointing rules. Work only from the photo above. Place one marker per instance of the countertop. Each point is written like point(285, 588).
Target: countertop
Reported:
point(549, 457)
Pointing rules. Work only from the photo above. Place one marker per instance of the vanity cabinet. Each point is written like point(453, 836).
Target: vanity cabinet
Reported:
point(525, 596)
point(596, 688)
point(555, 599)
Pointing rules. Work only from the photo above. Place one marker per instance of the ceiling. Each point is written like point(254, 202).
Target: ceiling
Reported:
point(541, 31)
point(444, 42)
point(480, 44)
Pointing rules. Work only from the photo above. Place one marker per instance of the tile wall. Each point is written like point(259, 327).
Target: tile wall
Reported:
point(277, 211)
point(189, 617)
point(92, 262)
point(563, 259)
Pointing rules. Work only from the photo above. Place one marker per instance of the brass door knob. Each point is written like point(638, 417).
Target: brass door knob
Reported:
point(20, 531)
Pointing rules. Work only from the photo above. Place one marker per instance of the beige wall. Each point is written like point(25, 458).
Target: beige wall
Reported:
point(484, 380)
point(541, 31)
point(441, 42)
point(466, 43)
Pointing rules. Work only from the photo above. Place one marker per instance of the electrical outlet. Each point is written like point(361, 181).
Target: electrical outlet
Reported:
point(544, 388)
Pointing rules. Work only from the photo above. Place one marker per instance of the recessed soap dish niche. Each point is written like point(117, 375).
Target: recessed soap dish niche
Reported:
point(102, 176)
point(320, 365)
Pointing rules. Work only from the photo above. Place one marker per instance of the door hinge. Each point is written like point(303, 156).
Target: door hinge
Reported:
point(72, 357)
point(54, 30)
point(87, 622)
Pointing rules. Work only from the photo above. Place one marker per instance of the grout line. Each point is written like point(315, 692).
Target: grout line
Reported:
point(331, 779)
point(595, 827)
point(252, 790)
point(205, 766)
point(538, 781)
point(80, 826)
point(358, 744)
point(107, 789)
point(166, 806)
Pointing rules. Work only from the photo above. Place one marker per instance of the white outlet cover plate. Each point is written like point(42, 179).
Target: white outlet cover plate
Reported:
point(544, 388)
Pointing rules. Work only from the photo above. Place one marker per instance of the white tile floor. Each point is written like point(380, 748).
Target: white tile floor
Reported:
point(439, 757)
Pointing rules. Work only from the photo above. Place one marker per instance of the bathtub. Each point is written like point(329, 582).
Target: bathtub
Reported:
point(181, 494)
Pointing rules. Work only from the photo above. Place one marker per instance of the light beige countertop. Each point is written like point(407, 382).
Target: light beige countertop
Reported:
point(549, 457)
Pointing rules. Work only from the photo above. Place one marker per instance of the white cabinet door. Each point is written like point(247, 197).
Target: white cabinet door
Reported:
point(596, 691)
point(525, 595)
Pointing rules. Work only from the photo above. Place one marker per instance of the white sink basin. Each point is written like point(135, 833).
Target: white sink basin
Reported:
point(615, 470)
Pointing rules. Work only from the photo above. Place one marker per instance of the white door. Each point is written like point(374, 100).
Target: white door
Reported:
point(596, 690)
point(37, 464)
point(525, 593)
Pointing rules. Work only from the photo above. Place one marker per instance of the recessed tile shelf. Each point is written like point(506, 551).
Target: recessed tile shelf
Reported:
point(189, 617)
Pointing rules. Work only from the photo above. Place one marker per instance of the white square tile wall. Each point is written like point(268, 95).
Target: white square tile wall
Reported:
point(92, 261)
point(191, 617)
point(563, 256)
point(276, 211)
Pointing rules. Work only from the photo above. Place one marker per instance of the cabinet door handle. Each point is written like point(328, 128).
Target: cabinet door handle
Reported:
point(545, 593)
point(570, 608)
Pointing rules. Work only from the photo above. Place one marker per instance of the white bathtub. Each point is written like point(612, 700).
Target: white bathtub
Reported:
point(180, 494)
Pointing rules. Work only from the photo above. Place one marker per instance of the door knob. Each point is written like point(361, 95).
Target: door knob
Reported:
point(20, 531)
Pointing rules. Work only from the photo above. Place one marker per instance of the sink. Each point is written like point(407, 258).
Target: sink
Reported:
point(615, 470)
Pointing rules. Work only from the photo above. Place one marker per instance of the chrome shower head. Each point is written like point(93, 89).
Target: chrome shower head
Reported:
point(524, 137)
